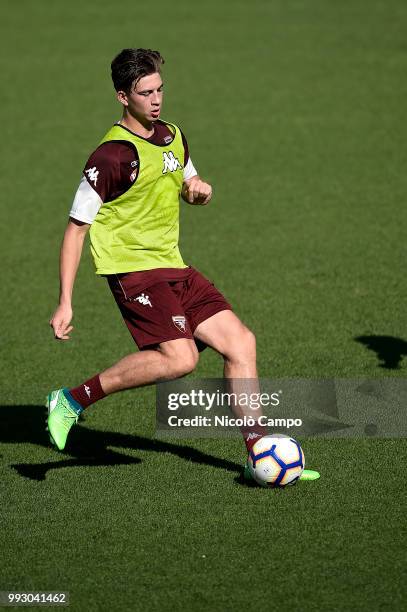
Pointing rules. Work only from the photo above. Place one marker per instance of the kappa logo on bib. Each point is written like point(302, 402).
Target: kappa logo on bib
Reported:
point(171, 163)
point(180, 322)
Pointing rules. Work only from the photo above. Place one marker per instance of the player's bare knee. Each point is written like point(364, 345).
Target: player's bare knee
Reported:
point(248, 345)
point(182, 365)
point(188, 364)
point(182, 357)
point(250, 342)
point(243, 347)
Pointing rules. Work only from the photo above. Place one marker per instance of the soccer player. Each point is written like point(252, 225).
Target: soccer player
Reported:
point(129, 200)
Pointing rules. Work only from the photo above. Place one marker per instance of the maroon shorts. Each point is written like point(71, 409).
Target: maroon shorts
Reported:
point(165, 310)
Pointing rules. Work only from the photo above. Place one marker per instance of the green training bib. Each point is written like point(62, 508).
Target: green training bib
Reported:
point(139, 230)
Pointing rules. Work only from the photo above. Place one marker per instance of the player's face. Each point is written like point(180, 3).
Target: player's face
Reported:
point(145, 98)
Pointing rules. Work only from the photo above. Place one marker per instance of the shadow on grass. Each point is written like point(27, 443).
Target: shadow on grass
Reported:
point(87, 447)
point(388, 349)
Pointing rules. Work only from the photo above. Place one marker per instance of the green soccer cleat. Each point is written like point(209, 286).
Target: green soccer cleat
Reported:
point(246, 472)
point(306, 474)
point(310, 475)
point(62, 414)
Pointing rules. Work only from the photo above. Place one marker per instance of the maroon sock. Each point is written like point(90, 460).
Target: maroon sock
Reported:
point(252, 434)
point(88, 392)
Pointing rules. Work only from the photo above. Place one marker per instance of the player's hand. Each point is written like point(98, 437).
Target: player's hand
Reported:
point(196, 191)
point(60, 322)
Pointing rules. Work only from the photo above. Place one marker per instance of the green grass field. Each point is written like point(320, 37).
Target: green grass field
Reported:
point(295, 111)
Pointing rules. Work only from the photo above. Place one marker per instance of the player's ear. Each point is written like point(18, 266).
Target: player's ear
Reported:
point(122, 97)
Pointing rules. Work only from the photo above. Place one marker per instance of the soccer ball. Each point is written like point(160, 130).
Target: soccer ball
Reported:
point(276, 461)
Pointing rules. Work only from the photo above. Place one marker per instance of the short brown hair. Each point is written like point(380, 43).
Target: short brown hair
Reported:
point(130, 65)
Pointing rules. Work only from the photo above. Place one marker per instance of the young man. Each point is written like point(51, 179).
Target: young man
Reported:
point(129, 198)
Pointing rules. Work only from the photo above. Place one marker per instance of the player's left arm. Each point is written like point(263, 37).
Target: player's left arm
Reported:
point(196, 191)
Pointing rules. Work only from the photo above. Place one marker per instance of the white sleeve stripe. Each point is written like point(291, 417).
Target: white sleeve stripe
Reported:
point(81, 218)
point(189, 170)
point(86, 203)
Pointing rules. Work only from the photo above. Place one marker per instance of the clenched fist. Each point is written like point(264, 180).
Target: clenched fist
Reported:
point(196, 191)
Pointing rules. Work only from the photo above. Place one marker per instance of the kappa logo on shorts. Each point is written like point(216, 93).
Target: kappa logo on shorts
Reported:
point(180, 322)
point(143, 299)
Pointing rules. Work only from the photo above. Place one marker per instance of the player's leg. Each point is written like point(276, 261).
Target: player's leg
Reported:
point(155, 318)
point(225, 333)
point(215, 325)
point(157, 324)
point(170, 360)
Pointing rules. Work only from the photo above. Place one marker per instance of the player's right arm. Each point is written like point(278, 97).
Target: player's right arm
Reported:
point(88, 199)
point(101, 176)
point(70, 256)
point(110, 170)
